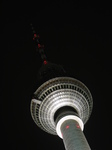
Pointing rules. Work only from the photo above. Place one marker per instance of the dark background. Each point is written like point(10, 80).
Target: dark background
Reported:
point(76, 35)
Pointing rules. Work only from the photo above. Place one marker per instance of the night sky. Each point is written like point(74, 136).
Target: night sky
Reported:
point(76, 35)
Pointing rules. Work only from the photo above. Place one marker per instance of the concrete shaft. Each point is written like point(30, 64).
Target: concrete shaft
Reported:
point(73, 136)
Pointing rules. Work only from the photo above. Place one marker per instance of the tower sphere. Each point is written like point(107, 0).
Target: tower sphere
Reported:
point(55, 94)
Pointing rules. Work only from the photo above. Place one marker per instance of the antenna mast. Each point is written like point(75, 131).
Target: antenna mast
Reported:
point(39, 46)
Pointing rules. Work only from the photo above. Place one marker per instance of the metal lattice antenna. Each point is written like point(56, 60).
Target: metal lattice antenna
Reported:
point(39, 46)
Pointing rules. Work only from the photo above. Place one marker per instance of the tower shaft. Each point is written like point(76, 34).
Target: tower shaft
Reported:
point(73, 136)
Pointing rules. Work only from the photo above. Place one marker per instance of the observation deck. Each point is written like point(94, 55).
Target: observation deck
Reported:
point(55, 94)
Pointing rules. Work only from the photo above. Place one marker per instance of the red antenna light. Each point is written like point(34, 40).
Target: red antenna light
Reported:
point(45, 62)
point(35, 35)
point(39, 45)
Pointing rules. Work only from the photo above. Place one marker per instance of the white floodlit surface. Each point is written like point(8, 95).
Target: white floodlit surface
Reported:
point(56, 93)
point(58, 126)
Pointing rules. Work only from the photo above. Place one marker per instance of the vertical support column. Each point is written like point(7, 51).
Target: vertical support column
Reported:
point(73, 136)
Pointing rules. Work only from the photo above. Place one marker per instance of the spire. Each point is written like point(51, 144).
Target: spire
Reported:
point(39, 46)
point(47, 70)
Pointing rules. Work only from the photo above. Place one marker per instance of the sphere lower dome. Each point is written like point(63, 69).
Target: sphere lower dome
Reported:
point(56, 93)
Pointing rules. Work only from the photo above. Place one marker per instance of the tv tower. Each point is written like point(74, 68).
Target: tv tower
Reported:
point(61, 105)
